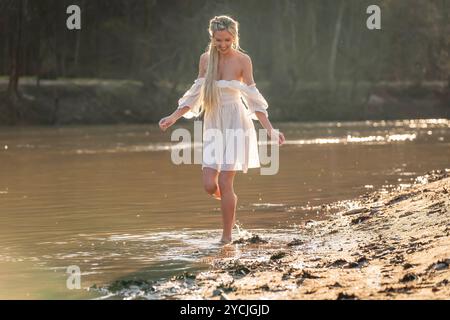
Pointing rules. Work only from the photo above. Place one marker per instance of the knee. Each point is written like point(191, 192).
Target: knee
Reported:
point(210, 187)
point(225, 187)
point(222, 185)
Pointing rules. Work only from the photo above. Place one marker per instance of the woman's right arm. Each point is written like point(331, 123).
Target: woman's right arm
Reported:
point(168, 121)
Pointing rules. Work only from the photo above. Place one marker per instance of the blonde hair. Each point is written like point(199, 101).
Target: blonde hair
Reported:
point(210, 91)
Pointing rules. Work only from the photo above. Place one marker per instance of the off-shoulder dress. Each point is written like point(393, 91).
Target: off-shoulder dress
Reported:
point(238, 149)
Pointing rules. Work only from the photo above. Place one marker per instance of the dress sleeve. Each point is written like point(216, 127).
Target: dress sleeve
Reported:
point(192, 98)
point(254, 100)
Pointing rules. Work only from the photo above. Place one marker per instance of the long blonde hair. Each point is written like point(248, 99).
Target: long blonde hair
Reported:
point(210, 91)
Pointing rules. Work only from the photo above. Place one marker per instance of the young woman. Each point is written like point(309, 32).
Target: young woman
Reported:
point(225, 76)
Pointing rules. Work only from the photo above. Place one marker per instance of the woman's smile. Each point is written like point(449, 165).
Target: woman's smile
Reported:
point(223, 40)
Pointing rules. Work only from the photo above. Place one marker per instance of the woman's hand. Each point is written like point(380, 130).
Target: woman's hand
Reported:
point(278, 136)
point(166, 122)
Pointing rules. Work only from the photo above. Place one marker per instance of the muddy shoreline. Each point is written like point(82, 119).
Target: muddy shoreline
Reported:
point(391, 245)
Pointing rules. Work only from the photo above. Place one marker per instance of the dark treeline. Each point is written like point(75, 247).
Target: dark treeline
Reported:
point(313, 59)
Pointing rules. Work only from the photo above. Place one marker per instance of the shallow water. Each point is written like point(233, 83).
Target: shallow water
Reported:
point(109, 200)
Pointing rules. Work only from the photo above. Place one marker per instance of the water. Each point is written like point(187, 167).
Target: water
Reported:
point(109, 200)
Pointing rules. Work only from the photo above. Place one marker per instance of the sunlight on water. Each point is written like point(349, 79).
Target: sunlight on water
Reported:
point(109, 200)
point(338, 133)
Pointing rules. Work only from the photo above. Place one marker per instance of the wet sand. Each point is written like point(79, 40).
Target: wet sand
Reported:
point(392, 245)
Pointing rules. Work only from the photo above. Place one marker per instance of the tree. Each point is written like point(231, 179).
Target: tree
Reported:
point(17, 9)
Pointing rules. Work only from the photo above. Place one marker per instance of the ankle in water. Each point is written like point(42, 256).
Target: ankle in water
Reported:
point(225, 240)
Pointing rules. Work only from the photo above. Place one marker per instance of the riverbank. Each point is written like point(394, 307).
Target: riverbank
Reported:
point(108, 101)
point(391, 245)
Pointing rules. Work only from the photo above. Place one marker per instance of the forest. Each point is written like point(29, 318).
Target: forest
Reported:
point(313, 60)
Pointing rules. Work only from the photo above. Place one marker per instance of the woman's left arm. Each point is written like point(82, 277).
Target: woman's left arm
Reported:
point(247, 76)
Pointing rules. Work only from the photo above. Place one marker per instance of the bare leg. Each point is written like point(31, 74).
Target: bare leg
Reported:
point(216, 195)
point(228, 203)
point(210, 182)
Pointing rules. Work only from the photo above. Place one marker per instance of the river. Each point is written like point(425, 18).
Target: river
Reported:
point(109, 200)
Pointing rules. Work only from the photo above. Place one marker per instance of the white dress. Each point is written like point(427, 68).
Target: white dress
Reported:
point(238, 150)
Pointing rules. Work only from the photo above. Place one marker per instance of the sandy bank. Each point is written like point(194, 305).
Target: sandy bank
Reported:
point(393, 245)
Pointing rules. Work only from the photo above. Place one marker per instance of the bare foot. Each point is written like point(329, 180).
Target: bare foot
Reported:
point(225, 240)
point(216, 194)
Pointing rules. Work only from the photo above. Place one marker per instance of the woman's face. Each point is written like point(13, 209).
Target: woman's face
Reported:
point(223, 41)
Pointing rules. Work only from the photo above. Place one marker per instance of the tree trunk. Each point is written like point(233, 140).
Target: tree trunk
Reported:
point(76, 66)
point(15, 53)
point(313, 24)
point(76, 70)
point(280, 57)
point(334, 46)
point(38, 58)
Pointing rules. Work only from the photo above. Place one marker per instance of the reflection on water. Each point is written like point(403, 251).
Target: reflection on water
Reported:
point(108, 198)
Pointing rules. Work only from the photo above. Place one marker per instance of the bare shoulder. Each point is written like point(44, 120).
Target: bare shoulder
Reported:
point(204, 57)
point(203, 64)
point(245, 59)
point(247, 69)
